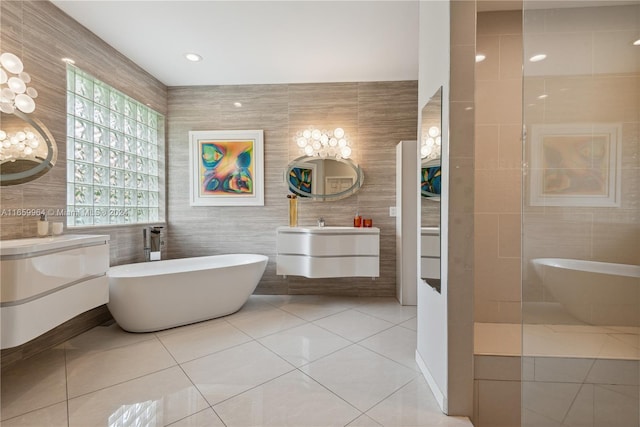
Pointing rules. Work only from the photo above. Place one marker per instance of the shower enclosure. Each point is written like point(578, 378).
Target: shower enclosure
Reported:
point(581, 201)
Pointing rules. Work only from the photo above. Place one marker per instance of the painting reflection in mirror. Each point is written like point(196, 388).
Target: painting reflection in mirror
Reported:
point(430, 180)
point(431, 189)
point(301, 180)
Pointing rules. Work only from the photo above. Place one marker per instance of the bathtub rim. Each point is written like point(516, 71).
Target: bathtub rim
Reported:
point(182, 265)
point(587, 266)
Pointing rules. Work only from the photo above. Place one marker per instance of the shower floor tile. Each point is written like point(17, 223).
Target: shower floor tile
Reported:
point(281, 360)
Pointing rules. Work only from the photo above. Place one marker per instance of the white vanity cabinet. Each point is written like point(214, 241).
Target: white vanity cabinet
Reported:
point(46, 281)
point(317, 252)
point(430, 253)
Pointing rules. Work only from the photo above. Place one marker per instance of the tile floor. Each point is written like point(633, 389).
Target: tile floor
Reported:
point(279, 361)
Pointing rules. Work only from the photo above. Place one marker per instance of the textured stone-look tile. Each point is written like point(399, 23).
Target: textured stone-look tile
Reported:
point(197, 342)
point(293, 399)
point(233, 371)
point(353, 325)
point(397, 343)
point(162, 397)
point(413, 405)
point(304, 344)
point(88, 371)
point(206, 418)
point(34, 383)
point(359, 376)
point(51, 416)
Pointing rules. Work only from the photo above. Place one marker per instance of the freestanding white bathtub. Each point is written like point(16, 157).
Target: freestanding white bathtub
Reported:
point(598, 293)
point(157, 295)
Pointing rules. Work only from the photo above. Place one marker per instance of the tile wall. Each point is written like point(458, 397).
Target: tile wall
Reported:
point(42, 35)
point(591, 77)
point(376, 115)
point(498, 162)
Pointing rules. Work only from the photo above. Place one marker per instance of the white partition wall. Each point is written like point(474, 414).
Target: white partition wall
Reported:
point(406, 222)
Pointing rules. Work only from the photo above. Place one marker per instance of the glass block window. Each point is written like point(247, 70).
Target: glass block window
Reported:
point(112, 155)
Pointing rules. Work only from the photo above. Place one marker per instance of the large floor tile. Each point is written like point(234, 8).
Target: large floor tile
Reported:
point(314, 307)
point(397, 343)
point(364, 421)
point(51, 416)
point(89, 371)
point(197, 342)
point(206, 418)
point(34, 383)
point(361, 377)
point(411, 324)
point(157, 399)
point(304, 343)
point(261, 323)
point(104, 338)
point(293, 399)
point(413, 405)
point(387, 309)
point(233, 371)
point(353, 325)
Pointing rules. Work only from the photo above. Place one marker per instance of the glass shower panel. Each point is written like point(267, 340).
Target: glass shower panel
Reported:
point(581, 214)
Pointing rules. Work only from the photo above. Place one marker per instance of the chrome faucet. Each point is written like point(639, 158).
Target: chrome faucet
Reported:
point(152, 242)
point(321, 222)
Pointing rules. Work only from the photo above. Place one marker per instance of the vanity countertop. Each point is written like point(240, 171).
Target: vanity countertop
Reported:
point(329, 230)
point(40, 244)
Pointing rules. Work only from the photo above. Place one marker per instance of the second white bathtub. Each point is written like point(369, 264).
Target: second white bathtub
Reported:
point(151, 296)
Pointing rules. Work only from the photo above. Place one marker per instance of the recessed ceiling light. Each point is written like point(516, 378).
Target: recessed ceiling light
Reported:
point(68, 61)
point(237, 104)
point(636, 43)
point(538, 57)
point(480, 57)
point(193, 57)
point(543, 96)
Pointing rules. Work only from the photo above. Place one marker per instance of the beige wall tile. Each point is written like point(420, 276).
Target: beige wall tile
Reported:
point(461, 140)
point(499, 102)
point(510, 226)
point(511, 146)
point(462, 72)
point(489, 69)
point(487, 144)
point(376, 115)
point(511, 56)
point(498, 403)
point(506, 22)
point(503, 193)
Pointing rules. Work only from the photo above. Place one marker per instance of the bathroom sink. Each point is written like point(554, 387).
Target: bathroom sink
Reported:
point(331, 229)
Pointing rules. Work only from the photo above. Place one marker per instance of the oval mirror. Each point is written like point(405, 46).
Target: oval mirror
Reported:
point(27, 149)
point(323, 178)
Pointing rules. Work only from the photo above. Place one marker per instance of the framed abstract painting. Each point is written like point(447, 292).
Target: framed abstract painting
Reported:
point(226, 168)
point(575, 165)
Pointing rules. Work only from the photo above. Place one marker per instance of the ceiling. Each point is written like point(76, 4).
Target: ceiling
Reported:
point(268, 42)
point(259, 42)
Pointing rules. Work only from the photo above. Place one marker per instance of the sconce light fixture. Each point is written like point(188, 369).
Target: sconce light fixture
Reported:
point(431, 146)
point(18, 99)
point(14, 93)
point(322, 143)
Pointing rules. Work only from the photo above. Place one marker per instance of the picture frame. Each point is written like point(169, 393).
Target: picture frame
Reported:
point(226, 168)
point(575, 165)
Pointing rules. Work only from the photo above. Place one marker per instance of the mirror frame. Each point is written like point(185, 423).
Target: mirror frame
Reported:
point(43, 167)
point(326, 197)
